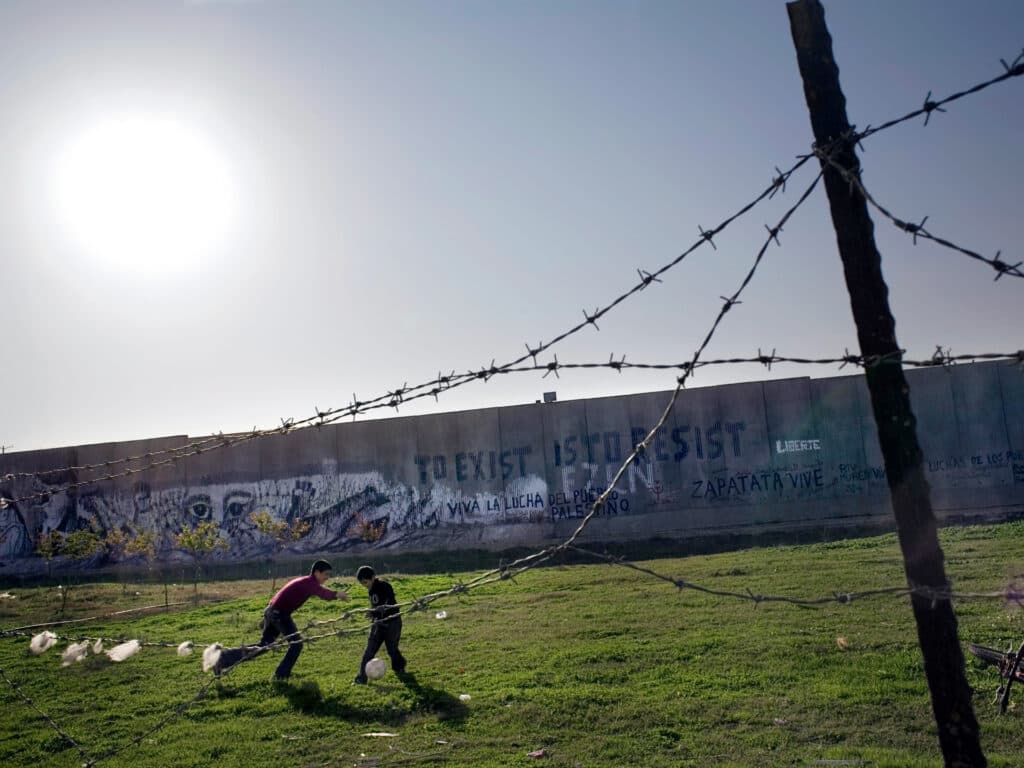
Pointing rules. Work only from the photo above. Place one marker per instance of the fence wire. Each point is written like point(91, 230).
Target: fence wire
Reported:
point(916, 230)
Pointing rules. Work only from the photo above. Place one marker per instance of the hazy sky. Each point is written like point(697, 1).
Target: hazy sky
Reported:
point(217, 214)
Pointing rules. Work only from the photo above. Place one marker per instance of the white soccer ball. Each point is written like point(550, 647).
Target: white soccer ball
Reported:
point(375, 669)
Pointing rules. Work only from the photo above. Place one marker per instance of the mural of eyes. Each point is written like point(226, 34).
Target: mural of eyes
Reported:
point(199, 506)
point(237, 504)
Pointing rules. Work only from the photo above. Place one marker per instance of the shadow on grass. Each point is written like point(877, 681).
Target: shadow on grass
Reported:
point(427, 699)
point(308, 699)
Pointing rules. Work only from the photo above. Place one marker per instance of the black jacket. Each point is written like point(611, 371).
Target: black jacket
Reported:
point(382, 600)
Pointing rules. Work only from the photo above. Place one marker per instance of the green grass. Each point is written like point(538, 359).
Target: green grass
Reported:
point(597, 664)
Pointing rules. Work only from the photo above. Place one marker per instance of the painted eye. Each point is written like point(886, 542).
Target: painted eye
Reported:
point(237, 504)
point(199, 507)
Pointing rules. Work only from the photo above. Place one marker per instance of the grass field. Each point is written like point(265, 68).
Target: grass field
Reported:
point(597, 665)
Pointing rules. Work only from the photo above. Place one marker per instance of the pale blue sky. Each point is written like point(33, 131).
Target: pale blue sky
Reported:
point(427, 186)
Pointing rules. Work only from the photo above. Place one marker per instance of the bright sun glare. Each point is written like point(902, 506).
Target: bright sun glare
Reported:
point(145, 194)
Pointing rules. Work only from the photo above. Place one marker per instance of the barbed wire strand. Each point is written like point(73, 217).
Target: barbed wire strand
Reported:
point(53, 723)
point(1015, 69)
point(20, 632)
point(853, 178)
point(939, 359)
point(175, 713)
point(28, 627)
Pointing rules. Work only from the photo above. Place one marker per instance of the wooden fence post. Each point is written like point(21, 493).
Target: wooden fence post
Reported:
point(923, 560)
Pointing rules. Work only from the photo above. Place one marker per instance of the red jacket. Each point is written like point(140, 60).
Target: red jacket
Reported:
point(297, 591)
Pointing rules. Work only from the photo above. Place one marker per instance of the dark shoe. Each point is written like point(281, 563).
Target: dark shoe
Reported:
point(360, 680)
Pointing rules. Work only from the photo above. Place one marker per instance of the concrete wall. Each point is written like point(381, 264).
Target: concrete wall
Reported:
point(791, 455)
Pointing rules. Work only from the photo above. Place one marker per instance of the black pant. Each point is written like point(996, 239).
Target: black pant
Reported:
point(275, 625)
point(386, 633)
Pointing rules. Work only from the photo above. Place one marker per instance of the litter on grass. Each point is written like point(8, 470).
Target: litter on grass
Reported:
point(124, 650)
point(42, 642)
point(74, 652)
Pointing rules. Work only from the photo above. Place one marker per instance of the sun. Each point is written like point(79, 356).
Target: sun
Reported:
point(145, 193)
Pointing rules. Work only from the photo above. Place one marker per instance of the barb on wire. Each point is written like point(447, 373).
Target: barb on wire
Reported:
point(552, 367)
point(930, 106)
point(533, 352)
point(709, 234)
point(778, 182)
point(646, 278)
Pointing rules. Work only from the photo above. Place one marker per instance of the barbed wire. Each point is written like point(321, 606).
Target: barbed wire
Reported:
point(62, 622)
point(1014, 69)
point(443, 383)
point(940, 358)
point(22, 632)
point(852, 177)
point(42, 713)
point(175, 713)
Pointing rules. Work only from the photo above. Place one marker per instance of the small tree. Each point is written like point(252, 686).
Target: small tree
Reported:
point(281, 532)
point(48, 546)
point(114, 542)
point(143, 544)
point(366, 529)
point(78, 546)
point(201, 541)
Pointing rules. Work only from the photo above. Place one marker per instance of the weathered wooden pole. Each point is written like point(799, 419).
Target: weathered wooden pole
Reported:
point(923, 560)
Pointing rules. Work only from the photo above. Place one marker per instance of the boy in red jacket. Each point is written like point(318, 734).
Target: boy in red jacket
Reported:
point(277, 621)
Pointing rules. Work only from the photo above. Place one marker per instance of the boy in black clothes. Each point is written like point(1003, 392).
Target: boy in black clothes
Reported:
point(387, 622)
